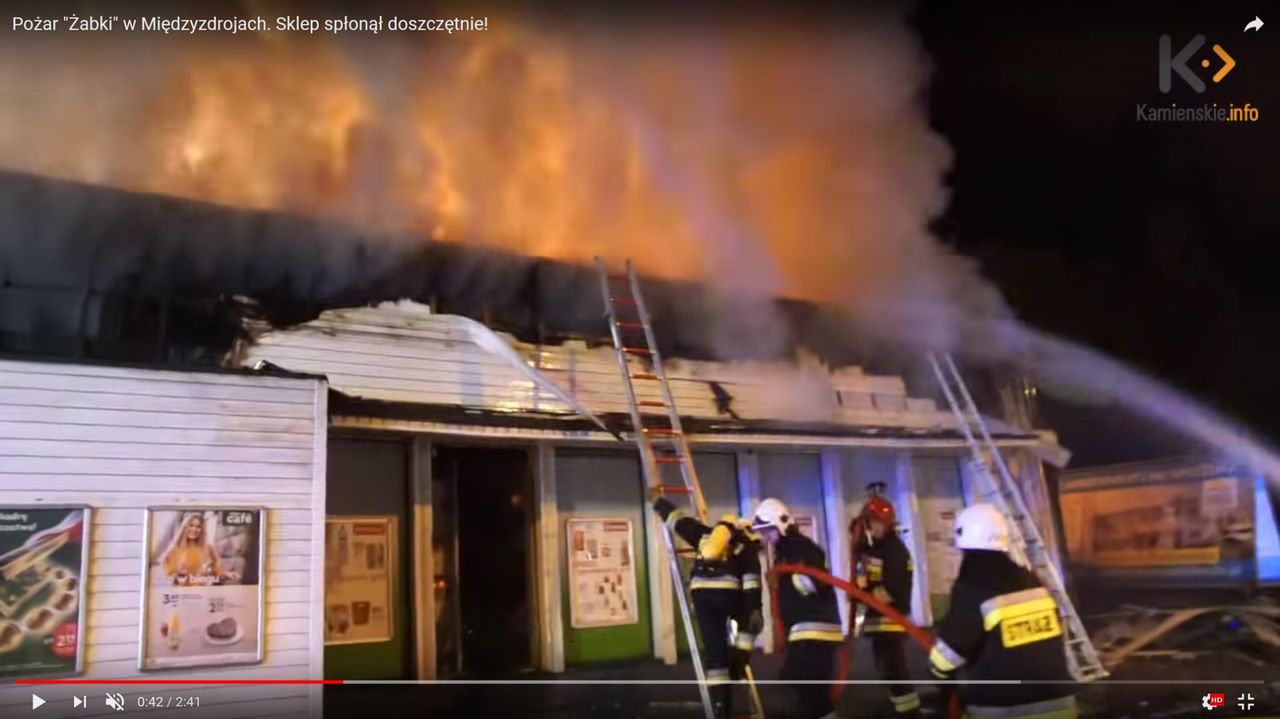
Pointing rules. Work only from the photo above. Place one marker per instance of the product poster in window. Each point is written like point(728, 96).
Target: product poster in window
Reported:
point(360, 558)
point(203, 598)
point(42, 569)
point(602, 575)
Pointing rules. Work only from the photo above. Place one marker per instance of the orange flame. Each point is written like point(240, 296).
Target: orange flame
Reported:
point(795, 159)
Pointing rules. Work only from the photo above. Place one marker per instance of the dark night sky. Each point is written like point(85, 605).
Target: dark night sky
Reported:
point(1153, 242)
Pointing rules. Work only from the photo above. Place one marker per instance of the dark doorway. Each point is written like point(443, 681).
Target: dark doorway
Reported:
point(486, 611)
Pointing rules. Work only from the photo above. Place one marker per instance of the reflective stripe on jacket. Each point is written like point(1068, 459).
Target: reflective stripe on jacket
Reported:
point(1002, 624)
point(803, 601)
point(887, 566)
point(815, 632)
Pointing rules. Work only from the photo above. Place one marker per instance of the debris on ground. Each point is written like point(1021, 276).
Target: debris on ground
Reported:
point(1148, 632)
point(1175, 654)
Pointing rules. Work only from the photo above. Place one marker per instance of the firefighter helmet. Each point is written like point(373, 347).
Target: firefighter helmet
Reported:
point(877, 507)
point(982, 526)
point(773, 513)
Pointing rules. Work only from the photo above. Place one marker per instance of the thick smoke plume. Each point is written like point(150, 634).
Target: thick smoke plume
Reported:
point(764, 157)
point(770, 157)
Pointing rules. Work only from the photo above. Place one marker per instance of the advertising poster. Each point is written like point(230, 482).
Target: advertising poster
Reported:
point(938, 518)
point(602, 575)
point(359, 561)
point(806, 524)
point(1206, 523)
point(203, 595)
point(42, 568)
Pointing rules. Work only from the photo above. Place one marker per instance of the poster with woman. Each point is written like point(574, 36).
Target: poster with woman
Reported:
point(203, 600)
point(42, 569)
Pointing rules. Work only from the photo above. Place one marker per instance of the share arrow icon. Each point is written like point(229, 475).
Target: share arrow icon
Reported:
point(1255, 24)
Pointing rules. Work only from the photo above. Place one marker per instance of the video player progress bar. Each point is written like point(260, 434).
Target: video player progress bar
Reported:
point(602, 682)
point(792, 682)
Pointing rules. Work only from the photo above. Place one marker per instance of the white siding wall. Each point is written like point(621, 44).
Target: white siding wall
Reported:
point(120, 440)
point(402, 352)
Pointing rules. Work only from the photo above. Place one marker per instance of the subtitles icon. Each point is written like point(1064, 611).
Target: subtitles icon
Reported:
point(1213, 700)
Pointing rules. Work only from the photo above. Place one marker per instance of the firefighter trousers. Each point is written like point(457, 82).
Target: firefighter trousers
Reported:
point(891, 664)
point(810, 661)
point(713, 608)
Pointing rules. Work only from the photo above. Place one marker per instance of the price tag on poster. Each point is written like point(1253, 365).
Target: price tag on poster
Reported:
point(43, 561)
point(202, 594)
point(807, 526)
point(360, 555)
point(602, 573)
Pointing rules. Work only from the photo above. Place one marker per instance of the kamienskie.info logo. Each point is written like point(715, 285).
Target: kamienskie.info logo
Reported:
point(1179, 65)
point(1208, 112)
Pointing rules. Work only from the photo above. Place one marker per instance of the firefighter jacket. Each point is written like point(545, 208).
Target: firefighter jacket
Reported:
point(807, 606)
point(750, 617)
point(886, 565)
point(727, 559)
point(1003, 624)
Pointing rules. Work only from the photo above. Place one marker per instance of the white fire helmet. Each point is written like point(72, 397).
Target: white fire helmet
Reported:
point(773, 513)
point(982, 526)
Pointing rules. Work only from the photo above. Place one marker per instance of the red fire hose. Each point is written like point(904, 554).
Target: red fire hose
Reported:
point(923, 638)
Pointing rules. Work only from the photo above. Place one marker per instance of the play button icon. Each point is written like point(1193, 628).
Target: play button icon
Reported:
point(36, 702)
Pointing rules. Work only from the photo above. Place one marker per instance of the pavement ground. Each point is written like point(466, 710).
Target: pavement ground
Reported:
point(1140, 689)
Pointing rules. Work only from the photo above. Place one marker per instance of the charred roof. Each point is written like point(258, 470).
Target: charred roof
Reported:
point(77, 260)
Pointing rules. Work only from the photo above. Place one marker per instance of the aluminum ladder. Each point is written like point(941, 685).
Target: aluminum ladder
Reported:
point(657, 433)
point(1002, 491)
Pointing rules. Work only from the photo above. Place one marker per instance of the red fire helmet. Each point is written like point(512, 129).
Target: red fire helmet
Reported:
point(878, 507)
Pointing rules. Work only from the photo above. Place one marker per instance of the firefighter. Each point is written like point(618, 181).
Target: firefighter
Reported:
point(1002, 625)
point(750, 616)
point(725, 585)
point(883, 567)
point(810, 616)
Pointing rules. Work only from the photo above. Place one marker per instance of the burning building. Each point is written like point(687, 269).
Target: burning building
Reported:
point(456, 393)
point(294, 276)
